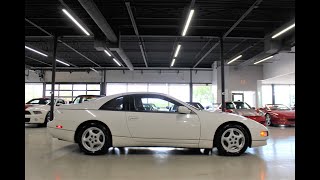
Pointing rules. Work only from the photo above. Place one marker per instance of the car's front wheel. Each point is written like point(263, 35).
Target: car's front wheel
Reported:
point(94, 139)
point(268, 120)
point(46, 120)
point(232, 140)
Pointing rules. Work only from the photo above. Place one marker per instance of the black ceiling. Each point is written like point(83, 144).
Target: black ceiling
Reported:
point(160, 24)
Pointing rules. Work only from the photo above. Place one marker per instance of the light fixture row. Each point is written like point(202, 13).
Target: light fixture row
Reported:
point(45, 55)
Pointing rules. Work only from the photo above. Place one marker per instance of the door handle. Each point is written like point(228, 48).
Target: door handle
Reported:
point(133, 118)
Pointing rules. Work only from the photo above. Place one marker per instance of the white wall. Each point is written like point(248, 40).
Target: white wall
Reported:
point(150, 76)
point(244, 79)
point(284, 64)
point(31, 76)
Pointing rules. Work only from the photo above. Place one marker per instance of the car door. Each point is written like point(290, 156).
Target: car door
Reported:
point(162, 125)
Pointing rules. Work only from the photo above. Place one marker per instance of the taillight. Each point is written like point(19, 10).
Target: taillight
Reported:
point(59, 126)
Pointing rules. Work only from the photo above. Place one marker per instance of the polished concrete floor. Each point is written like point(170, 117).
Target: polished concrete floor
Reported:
point(47, 158)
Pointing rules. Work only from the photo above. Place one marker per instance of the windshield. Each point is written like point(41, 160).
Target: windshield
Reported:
point(39, 101)
point(81, 99)
point(277, 107)
point(242, 105)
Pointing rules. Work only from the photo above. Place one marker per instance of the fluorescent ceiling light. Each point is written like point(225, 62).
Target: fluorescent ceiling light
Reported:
point(62, 62)
point(173, 60)
point(116, 62)
point(107, 52)
point(94, 70)
point(188, 22)
point(36, 51)
point(76, 22)
point(283, 31)
point(263, 60)
point(177, 50)
point(234, 59)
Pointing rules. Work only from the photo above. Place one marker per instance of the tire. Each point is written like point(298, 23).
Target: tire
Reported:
point(268, 120)
point(46, 120)
point(207, 151)
point(232, 140)
point(94, 139)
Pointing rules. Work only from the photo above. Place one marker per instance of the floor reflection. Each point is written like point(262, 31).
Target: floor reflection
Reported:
point(48, 158)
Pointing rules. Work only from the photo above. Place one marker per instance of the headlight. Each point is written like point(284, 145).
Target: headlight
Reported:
point(37, 112)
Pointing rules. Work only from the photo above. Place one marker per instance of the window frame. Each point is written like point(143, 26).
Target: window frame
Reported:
point(133, 109)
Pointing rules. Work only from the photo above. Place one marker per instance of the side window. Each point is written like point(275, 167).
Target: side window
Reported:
point(154, 103)
point(116, 104)
point(77, 100)
point(229, 105)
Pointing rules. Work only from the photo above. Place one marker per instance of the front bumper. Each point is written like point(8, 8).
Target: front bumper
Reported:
point(283, 121)
point(34, 118)
point(257, 143)
point(259, 119)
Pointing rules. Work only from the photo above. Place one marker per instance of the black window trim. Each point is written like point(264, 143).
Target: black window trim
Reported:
point(125, 103)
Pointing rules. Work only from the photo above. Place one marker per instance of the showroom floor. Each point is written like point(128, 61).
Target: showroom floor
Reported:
point(48, 158)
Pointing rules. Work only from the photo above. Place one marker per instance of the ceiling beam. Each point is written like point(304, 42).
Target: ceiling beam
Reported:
point(38, 60)
point(141, 43)
point(254, 5)
point(207, 53)
point(50, 35)
point(121, 68)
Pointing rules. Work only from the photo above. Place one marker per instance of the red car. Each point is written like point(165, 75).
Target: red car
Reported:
point(243, 109)
point(279, 114)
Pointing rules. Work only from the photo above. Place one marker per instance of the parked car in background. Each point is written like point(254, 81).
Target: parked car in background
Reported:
point(243, 109)
point(197, 105)
point(37, 111)
point(82, 98)
point(121, 120)
point(279, 114)
point(213, 107)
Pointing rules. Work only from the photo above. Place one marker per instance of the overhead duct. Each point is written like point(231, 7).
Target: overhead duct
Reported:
point(102, 23)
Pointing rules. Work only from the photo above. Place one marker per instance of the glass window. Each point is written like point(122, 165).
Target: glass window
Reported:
point(77, 100)
point(155, 103)
point(65, 87)
point(65, 93)
point(266, 94)
point(39, 101)
point(202, 94)
point(33, 90)
point(93, 87)
point(77, 93)
point(160, 88)
point(93, 92)
point(282, 94)
point(116, 88)
point(48, 87)
point(242, 105)
point(180, 91)
point(137, 87)
point(79, 87)
point(116, 104)
point(229, 105)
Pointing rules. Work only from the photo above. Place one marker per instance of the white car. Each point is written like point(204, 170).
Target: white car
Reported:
point(122, 121)
point(37, 111)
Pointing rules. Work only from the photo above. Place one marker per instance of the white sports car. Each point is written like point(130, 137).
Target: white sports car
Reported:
point(37, 111)
point(122, 121)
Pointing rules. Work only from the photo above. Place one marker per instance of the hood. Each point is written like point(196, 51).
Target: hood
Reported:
point(246, 112)
point(290, 113)
point(37, 106)
point(27, 105)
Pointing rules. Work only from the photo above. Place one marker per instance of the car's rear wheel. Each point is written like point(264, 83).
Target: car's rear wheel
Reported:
point(232, 140)
point(268, 120)
point(94, 139)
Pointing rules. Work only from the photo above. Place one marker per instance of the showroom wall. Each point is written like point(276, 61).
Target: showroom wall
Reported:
point(239, 80)
point(283, 63)
point(151, 76)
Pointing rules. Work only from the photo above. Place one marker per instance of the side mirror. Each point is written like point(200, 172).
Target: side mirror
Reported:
point(58, 104)
point(167, 107)
point(220, 107)
point(253, 108)
point(184, 110)
point(70, 102)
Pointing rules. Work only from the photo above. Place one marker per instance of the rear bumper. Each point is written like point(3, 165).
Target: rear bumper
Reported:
point(62, 134)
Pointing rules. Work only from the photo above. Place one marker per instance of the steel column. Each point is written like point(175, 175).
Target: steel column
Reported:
point(273, 94)
point(53, 76)
point(103, 84)
point(191, 86)
point(222, 76)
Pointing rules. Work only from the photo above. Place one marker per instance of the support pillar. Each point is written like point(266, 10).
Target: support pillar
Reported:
point(222, 76)
point(53, 80)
